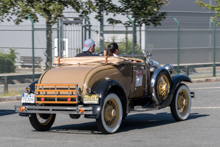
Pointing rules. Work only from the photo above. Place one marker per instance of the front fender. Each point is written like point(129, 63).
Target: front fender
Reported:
point(153, 83)
point(102, 90)
point(155, 74)
point(176, 80)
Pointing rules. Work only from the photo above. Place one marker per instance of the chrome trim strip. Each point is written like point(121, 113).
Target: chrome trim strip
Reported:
point(54, 109)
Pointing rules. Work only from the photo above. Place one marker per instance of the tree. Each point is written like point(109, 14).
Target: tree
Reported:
point(7, 61)
point(52, 9)
point(49, 9)
point(141, 11)
point(215, 8)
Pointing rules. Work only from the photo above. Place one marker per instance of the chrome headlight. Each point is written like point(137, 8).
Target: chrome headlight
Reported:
point(169, 67)
point(153, 65)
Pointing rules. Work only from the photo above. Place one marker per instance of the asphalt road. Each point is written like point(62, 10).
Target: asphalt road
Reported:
point(152, 128)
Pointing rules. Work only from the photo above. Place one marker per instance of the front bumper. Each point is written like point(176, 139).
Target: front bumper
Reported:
point(55, 109)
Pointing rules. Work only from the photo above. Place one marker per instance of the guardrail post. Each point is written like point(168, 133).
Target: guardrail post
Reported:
point(5, 84)
point(32, 22)
point(214, 36)
point(126, 39)
point(61, 37)
point(102, 30)
point(58, 38)
point(178, 44)
point(187, 70)
point(133, 40)
point(89, 26)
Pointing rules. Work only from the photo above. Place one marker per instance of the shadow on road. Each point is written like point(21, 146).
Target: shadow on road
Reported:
point(131, 122)
point(6, 112)
point(141, 121)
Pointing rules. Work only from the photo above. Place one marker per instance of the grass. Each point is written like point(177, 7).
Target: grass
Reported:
point(10, 93)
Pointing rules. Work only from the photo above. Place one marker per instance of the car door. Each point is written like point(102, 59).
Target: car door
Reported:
point(138, 85)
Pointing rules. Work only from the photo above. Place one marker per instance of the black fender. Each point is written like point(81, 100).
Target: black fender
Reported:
point(176, 80)
point(102, 90)
point(32, 86)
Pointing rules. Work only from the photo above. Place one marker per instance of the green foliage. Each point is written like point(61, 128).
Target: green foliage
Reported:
point(7, 61)
point(121, 46)
point(49, 9)
point(141, 11)
point(215, 8)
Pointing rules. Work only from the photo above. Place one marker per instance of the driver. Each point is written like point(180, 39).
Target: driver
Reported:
point(88, 49)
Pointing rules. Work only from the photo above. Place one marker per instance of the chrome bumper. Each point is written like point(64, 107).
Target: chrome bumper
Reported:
point(54, 110)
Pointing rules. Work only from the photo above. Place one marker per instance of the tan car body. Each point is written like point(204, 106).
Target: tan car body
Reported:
point(106, 92)
point(86, 74)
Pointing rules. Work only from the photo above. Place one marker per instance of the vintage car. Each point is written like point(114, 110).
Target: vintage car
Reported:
point(106, 92)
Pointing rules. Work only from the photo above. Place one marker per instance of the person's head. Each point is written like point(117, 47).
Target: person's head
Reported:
point(89, 45)
point(113, 48)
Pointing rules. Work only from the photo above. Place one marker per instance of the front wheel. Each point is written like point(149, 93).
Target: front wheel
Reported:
point(181, 103)
point(42, 122)
point(111, 114)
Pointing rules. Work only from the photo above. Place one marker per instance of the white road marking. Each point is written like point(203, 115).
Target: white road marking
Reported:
point(207, 88)
point(205, 107)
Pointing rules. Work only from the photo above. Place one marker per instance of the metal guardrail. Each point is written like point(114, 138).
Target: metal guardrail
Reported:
point(19, 78)
point(195, 65)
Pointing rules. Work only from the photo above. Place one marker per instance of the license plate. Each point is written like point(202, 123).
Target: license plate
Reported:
point(28, 98)
point(90, 99)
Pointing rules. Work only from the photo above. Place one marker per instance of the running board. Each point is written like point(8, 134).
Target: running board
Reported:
point(149, 108)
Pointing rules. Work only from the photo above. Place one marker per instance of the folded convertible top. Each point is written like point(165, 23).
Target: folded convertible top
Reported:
point(93, 60)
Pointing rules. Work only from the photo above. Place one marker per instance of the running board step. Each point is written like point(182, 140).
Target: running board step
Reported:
point(141, 108)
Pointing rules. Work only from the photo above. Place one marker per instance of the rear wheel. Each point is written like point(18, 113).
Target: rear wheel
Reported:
point(111, 114)
point(42, 122)
point(181, 103)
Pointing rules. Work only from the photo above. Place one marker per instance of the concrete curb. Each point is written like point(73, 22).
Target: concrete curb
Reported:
point(18, 97)
point(214, 79)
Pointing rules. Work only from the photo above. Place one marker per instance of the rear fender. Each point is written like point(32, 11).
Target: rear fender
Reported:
point(32, 85)
point(102, 90)
point(176, 80)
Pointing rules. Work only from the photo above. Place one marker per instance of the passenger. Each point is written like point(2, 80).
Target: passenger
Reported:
point(112, 50)
point(88, 49)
